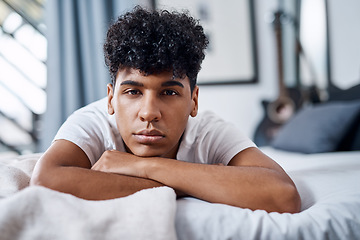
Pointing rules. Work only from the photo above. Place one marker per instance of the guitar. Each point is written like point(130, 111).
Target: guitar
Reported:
point(284, 107)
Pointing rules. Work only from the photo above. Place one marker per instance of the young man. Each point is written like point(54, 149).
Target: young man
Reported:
point(143, 134)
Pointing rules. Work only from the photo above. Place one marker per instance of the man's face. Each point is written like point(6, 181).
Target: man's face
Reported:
point(151, 111)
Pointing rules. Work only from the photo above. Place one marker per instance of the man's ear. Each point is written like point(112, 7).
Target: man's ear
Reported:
point(110, 94)
point(195, 102)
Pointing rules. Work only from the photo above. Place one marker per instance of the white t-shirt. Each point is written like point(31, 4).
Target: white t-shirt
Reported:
point(207, 138)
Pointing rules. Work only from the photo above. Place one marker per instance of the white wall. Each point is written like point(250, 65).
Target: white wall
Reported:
point(241, 104)
point(345, 42)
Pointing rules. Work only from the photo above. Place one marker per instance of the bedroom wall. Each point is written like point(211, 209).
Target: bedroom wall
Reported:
point(344, 42)
point(241, 104)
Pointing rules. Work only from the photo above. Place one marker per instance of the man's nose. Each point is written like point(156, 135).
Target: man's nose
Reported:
point(149, 110)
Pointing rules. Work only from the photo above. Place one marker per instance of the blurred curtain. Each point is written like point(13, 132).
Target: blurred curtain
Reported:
point(76, 70)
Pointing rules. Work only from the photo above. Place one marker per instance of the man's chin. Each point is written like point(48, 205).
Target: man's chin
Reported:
point(147, 153)
point(152, 153)
point(142, 150)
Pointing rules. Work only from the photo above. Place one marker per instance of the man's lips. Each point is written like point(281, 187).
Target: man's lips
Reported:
point(148, 136)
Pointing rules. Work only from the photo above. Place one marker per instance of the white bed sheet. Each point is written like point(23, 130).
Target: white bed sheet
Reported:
point(330, 191)
point(36, 213)
point(328, 184)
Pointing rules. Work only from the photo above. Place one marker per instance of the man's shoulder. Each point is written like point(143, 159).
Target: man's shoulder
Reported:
point(205, 123)
point(91, 116)
point(96, 106)
point(206, 119)
point(207, 114)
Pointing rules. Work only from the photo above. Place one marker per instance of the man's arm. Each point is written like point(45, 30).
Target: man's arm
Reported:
point(251, 180)
point(65, 167)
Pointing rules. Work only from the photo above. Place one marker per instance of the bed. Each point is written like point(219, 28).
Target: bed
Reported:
point(330, 192)
point(328, 184)
point(319, 148)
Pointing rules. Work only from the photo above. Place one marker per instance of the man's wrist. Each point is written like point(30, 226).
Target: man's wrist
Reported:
point(149, 166)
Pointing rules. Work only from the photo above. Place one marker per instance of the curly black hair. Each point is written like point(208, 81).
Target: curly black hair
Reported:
point(154, 42)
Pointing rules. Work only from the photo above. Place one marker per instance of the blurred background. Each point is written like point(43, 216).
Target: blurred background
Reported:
point(51, 60)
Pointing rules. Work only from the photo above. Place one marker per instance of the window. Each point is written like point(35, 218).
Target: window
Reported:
point(23, 75)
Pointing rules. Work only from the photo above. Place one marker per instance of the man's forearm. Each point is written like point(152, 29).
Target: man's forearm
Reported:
point(263, 186)
point(242, 186)
point(91, 184)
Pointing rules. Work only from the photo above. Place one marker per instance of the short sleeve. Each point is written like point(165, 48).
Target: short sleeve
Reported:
point(211, 140)
point(91, 129)
point(227, 142)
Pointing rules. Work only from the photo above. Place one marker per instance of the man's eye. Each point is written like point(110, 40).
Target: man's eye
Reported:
point(132, 92)
point(170, 93)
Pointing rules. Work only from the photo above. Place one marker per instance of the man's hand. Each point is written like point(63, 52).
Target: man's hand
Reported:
point(66, 168)
point(113, 161)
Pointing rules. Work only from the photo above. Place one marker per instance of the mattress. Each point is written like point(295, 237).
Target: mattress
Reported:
point(328, 184)
point(329, 187)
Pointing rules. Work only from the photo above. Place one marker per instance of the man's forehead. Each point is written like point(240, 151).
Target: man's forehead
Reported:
point(136, 77)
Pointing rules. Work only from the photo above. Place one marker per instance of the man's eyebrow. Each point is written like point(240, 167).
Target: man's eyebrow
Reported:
point(131, 82)
point(172, 83)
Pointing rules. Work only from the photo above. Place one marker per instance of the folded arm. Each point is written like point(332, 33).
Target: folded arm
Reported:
point(66, 168)
point(251, 180)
